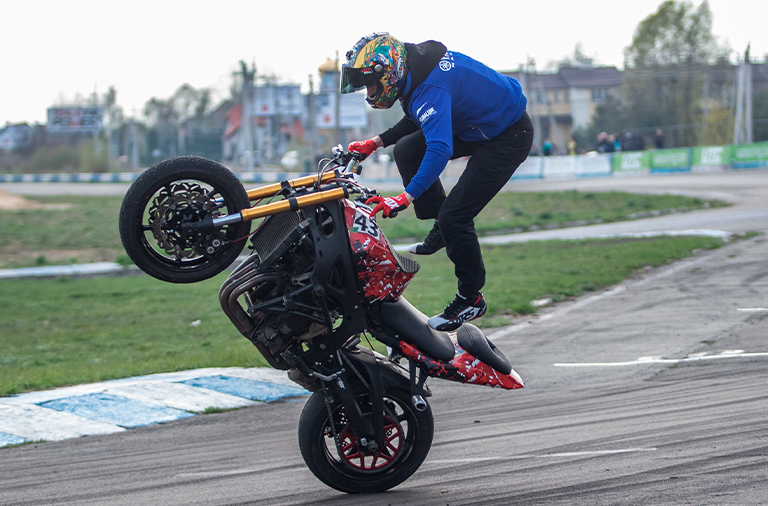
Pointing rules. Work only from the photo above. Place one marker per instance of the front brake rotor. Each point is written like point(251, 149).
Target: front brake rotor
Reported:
point(176, 204)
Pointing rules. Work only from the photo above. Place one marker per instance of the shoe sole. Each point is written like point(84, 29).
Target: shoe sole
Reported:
point(444, 325)
point(414, 247)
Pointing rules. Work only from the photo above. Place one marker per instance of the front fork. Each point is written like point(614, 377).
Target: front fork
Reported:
point(376, 374)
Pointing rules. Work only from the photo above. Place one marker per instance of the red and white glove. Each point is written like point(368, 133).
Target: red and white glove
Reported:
point(365, 148)
point(390, 205)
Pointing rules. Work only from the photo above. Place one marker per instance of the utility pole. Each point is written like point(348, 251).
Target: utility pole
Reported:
point(338, 101)
point(742, 125)
point(311, 120)
point(245, 123)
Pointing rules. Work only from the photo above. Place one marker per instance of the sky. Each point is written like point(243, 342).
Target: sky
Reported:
point(52, 51)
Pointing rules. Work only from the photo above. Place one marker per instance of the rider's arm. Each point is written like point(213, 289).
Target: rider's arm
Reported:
point(432, 109)
point(402, 128)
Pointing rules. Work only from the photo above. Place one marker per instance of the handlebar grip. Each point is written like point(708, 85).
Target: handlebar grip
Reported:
point(392, 214)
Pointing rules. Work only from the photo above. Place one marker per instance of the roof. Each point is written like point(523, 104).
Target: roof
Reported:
point(574, 77)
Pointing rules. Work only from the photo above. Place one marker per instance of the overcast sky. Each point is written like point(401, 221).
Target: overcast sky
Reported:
point(51, 51)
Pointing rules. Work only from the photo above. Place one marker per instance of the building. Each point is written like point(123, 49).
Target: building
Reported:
point(566, 99)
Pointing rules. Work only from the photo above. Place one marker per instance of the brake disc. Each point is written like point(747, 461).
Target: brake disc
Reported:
point(176, 204)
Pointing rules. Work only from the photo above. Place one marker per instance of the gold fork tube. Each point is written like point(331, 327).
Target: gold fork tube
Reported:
point(294, 203)
point(272, 189)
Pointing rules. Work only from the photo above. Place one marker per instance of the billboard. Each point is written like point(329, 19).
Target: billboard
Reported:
point(352, 107)
point(272, 100)
point(75, 120)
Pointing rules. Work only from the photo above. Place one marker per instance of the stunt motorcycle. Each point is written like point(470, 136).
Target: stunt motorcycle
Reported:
point(320, 278)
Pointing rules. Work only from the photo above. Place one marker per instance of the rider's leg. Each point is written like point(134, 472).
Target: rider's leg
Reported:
point(492, 164)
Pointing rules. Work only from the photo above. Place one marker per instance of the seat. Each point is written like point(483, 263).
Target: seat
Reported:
point(411, 325)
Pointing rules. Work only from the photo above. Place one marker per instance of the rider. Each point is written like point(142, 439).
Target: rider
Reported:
point(454, 106)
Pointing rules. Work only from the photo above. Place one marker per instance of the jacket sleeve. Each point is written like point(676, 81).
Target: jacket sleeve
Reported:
point(432, 112)
point(402, 128)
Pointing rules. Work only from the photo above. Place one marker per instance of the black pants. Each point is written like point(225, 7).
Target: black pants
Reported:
point(490, 166)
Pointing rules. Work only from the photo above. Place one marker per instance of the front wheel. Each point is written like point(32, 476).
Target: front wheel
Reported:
point(162, 212)
point(332, 451)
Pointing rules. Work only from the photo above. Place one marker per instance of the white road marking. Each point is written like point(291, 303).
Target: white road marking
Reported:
point(542, 456)
point(661, 360)
point(752, 309)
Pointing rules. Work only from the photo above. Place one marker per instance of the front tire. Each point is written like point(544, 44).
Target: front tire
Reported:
point(345, 466)
point(170, 196)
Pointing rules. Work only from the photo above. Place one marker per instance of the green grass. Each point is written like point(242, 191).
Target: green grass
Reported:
point(87, 230)
point(63, 331)
point(524, 211)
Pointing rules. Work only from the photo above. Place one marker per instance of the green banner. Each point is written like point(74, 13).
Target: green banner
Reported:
point(750, 155)
point(710, 156)
point(676, 159)
point(629, 161)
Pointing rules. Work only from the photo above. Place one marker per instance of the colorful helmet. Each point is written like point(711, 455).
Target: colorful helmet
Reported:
point(376, 60)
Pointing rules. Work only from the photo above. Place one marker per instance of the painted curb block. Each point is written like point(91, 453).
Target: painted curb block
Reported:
point(114, 406)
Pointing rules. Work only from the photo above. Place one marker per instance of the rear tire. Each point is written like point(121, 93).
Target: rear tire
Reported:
point(178, 192)
point(408, 438)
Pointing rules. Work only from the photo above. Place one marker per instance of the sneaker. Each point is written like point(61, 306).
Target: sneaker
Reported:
point(432, 244)
point(461, 310)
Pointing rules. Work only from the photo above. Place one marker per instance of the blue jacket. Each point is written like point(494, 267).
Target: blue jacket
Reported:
point(460, 97)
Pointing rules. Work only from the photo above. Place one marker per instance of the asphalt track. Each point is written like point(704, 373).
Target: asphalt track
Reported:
point(653, 392)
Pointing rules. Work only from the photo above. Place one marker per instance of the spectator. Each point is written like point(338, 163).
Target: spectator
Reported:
point(658, 141)
point(614, 141)
point(547, 149)
point(571, 146)
point(603, 144)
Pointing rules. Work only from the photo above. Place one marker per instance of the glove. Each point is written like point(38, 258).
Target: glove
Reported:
point(365, 148)
point(390, 205)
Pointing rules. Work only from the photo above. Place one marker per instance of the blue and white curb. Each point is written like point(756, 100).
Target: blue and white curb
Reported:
point(114, 406)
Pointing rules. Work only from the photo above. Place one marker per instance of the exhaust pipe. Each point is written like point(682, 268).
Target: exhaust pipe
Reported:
point(419, 403)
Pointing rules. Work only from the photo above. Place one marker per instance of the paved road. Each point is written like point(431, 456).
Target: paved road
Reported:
point(650, 393)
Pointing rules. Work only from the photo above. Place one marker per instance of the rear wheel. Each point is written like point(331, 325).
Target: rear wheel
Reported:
point(162, 212)
point(331, 447)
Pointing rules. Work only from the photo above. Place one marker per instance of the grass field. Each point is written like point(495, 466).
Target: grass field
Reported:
point(56, 332)
point(86, 230)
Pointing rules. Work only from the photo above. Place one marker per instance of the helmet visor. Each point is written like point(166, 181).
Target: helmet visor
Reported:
point(353, 79)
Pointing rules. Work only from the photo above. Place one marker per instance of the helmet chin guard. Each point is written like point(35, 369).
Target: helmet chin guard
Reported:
point(377, 61)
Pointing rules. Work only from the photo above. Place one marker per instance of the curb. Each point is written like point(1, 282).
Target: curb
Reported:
point(115, 406)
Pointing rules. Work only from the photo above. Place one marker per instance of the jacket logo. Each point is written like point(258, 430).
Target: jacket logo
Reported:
point(429, 112)
point(446, 63)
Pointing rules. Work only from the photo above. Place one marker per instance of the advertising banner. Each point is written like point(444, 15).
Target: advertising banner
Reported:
point(529, 169)
point(670, 160)
point(746, 156)
point(593, 165)
point(708, 158)
point(558, 166)
point(630, 162)
point(75, 120)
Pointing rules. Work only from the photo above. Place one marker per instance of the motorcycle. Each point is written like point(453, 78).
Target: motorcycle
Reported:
point(320, 279)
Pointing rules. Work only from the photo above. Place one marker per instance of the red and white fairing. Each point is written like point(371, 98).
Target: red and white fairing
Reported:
point(378, 268)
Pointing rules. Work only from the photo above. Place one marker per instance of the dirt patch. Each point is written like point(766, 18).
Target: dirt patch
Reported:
point(13, 257)
point(12, 202)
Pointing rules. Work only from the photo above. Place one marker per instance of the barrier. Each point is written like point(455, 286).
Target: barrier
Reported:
point(622, 163)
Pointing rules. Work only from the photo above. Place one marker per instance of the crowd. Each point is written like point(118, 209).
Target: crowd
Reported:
point(606, 143)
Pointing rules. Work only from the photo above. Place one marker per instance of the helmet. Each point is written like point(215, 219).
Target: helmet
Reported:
point(377, 61)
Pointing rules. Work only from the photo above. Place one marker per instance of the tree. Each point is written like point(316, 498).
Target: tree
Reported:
point(665, 68)
point(675, 34)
